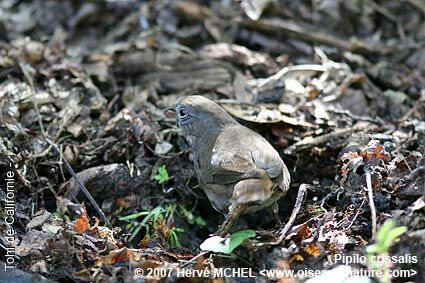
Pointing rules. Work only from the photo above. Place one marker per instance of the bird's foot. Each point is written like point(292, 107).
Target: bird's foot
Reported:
point(264, 232)
point(267, 235)
point(230, 220)
point(221, 232)
point(277, 227)
point(224, 228)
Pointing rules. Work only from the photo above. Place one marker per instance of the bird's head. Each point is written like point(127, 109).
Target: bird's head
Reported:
point(199, 117)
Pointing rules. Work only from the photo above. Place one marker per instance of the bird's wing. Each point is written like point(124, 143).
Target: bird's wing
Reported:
point(240, 154)
point(229, 167)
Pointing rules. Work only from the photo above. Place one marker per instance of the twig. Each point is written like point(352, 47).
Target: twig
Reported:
point(194, 259)
point(418, 204)
point(417, 4)
point(348, 113)
point(291, 220)
point(358, 211)
point(308, 33)
point(26, 70)
point(79, 183)
point(419, 103)
point(390, 16)
point(310, 142)
point(371, 203)
point(290, 69)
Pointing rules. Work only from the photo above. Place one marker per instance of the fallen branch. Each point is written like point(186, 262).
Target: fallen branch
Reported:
point(287, 70)
point(194, 259)
point(310, 34)
point(310, 142)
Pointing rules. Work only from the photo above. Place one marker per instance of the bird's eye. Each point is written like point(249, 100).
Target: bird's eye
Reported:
point(182, 113)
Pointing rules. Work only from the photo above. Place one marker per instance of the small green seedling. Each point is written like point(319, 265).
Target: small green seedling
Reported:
point(191, 218)
point(387, 234)
point(162, 175)
point(156, 216)
point(227, 246)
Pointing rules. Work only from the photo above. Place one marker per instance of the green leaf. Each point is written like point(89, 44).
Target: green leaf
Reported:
point(173, 240)
point(393, 234)
point(133, 216)
point(237, 238)
point(221, 245)
point(383, 231)
point(200, 221)
point(135, 232)
point(153, 214)
point(191, 218)
point(188, 215)
point(386, 236)
point(162, 176)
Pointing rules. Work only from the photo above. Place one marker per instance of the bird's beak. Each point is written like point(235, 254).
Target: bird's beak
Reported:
point(170, 113)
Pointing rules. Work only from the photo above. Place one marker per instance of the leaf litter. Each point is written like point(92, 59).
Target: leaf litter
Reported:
point(338, 88)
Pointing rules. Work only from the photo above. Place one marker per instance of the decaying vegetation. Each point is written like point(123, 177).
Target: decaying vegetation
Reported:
point(337, 87)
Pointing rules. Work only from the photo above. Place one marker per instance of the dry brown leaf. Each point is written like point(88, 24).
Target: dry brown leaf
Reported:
point(122, 256)
point(296, 257)
point(313, 249)
point(119, 255)
point(82, 224)
point(302, 232)
point(351, 161)
point(375, 150)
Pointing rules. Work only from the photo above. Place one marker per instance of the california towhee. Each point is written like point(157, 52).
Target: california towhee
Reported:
point(237, 168)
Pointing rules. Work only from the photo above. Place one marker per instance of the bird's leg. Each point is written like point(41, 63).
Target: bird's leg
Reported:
point(230, 219)
point(274, 209)
point(273, 234)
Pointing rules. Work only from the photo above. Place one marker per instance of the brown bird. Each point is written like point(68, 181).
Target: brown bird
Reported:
point(237, 168)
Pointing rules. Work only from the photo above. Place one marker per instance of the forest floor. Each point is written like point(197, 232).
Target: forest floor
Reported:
point(337, 87)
